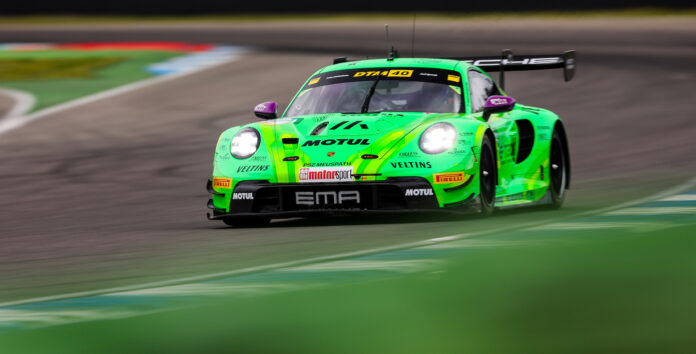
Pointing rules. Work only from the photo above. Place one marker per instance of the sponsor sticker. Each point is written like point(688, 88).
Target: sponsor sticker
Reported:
point(387, 73)
point(336, 142)
point(498, 101)
point(400, 73)
point(326, 164)
point(327, 198)
point(222, 183)
point(252, 168)
point(243, 196)
point(450, 177)
point(325, 174)
point(411, 164)
point(314, 81)
point(453, 78)
point(418, 192)
point(409, 154)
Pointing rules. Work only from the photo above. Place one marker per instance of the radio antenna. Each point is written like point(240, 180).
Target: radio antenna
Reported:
point(391, 53)
point(413, 38)
point(505, 58)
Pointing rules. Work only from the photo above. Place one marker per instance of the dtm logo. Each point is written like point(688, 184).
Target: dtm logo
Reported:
point(327, 198)
point(242, 196)
point(418, 192)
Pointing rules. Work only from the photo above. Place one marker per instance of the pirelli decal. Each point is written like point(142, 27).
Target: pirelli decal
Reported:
point(453, 78)
point(314, 81)
point(222, 183)
point(450, 177)
point(387, 73)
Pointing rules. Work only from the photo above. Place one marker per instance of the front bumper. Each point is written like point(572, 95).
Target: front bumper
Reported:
point(261, 198)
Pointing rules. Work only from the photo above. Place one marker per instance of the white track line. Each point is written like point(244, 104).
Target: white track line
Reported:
point(24, 102)
point(12, 123)
point(676, 190)
point(654, 211)
point(679, 198)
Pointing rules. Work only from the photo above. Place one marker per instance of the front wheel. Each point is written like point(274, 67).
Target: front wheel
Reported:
point(488, 177)
point(558, 179)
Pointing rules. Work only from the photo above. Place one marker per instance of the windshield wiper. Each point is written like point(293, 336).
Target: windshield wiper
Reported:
point(366, 104)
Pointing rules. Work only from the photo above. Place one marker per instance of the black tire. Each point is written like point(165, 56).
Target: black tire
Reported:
point(558, 171)
point(488, 177)
point(249, 221)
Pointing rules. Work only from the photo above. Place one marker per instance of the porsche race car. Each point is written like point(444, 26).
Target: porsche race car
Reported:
point(395, 135)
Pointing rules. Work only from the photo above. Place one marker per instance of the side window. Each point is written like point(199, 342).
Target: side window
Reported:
point(480, 88)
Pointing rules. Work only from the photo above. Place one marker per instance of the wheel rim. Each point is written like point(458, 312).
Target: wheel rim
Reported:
point(487, 175)
point(558, 171)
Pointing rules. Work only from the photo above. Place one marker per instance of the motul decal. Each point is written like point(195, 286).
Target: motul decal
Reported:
point(336, 142)
point(243, 196)
point(418, 192)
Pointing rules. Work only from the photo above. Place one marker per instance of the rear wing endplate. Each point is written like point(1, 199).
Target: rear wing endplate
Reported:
point(508, 62)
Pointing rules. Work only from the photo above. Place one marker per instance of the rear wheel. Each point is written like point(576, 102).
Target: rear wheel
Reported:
point(249, 221)
point(488, 177)
point(558, 174)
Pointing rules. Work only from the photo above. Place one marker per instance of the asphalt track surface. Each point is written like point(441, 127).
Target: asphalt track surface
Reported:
point(112, 192)
point(6, 104)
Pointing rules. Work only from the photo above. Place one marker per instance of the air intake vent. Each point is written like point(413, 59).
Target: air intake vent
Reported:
point(291, 140)
point(320, 128)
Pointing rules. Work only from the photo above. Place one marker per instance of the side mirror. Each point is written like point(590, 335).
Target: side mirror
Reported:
point(266, 110)
point(497, 104)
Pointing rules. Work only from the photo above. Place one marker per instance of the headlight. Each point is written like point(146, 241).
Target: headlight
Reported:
point(438, 138)
point(245, 143)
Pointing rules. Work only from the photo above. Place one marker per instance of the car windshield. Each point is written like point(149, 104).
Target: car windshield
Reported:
point(390, 90)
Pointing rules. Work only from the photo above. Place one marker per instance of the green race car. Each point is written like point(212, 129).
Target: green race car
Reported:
point(395, 135)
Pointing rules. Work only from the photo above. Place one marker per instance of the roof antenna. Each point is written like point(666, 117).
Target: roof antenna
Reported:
point(505, 58)
point(413, 38)
point(391, 54)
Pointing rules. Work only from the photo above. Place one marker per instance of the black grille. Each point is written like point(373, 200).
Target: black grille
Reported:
point(339, 196)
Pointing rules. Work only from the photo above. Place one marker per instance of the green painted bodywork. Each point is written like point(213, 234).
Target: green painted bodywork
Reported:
point(393, 137)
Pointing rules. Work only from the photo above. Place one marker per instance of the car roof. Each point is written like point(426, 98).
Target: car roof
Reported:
point(432, 63)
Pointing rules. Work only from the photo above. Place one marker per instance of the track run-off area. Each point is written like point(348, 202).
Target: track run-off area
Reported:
point(104, 199)
point(673, 208)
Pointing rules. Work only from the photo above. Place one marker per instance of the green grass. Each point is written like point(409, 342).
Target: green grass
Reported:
point(55, 76)
point(88, 20)
point(50, 69)
point(618, 293)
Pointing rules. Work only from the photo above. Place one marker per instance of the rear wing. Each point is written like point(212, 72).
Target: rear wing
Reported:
point(508, 62)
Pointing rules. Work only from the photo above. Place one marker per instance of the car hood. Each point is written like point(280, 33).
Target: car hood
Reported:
point(364, 141)
point(343, 135)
